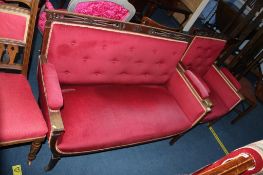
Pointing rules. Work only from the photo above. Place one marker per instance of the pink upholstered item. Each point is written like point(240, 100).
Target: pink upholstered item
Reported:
point(53, 91)
point(202, 53)
point(199, 59)
point(42, 16)
point(231, 78)
point(105, 9)
point(185, 98)
point(103, 116)
point(101, 56)
point(13, 26)
point(20, 116)
point(219, 85)
point(198, 83)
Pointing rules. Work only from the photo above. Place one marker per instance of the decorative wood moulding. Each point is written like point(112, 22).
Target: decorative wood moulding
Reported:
point(61, 16)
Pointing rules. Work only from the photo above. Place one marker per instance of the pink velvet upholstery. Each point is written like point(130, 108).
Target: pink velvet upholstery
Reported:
point(42, 16)
point(198, 83)
point(103, 116)
point(101, 56)
point(199, 58)
point(53, 91)
point(202, 53)
point(20, 116)
point(219, 86)
point(119, 88)
point(13, 26)
point(231, 78)
point(105, 9)
point(185, 98)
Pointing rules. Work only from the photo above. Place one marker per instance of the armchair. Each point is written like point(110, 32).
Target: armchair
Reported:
point(218, 83)
point(20, 117)
point(113, 86)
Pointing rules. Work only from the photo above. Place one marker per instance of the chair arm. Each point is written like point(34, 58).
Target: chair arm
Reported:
point(230, 77)
point(52, 88)
point(198, 83)
point(220, 85)
point(186, 97)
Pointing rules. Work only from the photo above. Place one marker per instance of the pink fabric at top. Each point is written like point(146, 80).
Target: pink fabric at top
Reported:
point(42, 16)
point(231, 78)
point(202, 53)
point(53, 91)
point(105, 9)
point(84, 55)
point(198, 83)
point(12, 26)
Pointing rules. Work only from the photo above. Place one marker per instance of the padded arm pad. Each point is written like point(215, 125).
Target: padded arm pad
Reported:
point(199, 84)
point(231, 78)
point(185, 97)
point(219, 85)
point(53, 90)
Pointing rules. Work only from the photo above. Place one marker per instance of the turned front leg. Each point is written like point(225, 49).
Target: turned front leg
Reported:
point(35, 147)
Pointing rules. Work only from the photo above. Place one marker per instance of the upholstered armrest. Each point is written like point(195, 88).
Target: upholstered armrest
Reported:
point(219, 84)
point(186, 97)
point(198, 83)
point(230, 77)
point(52, 87)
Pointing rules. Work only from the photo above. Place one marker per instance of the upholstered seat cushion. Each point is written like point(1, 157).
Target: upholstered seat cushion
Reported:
point(20, 116)
point(104, 116)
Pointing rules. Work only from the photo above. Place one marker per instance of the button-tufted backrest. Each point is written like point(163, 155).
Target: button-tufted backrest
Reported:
point(86, 54)
point(202, 53)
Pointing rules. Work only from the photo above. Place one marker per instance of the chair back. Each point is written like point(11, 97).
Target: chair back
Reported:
point(202, 53)
point(112, 9)
point(17, 29)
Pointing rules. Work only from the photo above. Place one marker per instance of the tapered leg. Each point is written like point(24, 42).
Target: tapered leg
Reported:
point(35, 146)
point(174, 139)
point(52, 163)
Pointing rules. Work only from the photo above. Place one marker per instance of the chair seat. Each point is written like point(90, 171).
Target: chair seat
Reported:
point(20, 117)
point(104, 116)
point(218, 109)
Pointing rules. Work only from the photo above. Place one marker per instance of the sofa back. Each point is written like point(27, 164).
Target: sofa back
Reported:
point(85, 54)
point(202, 53)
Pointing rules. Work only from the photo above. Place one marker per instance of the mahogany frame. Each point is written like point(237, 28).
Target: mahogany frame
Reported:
point(33, 7)
point(56, 122)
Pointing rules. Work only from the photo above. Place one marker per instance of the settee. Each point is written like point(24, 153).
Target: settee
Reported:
point(106, 84)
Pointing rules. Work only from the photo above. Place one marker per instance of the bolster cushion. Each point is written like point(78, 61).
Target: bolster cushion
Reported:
point(53, 90)
point(199, 84)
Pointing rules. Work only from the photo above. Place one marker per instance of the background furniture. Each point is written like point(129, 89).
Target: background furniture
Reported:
point(20, 116)
point(170, 5)
point(111, 86)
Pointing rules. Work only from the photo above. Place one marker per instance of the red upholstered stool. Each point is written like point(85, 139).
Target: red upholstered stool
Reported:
point(21, 120)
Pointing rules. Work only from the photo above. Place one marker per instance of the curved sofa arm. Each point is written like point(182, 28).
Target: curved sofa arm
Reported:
point(52, 87)
point(186, 97)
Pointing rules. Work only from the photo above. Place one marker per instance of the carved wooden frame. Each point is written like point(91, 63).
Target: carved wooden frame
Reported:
point(56, 122)
point(27, 43)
